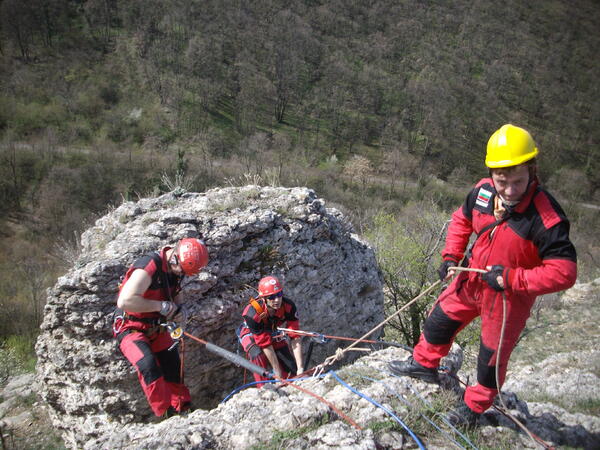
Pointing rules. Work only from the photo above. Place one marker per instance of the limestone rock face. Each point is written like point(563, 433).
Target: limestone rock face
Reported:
point(329, 273)
point(367, 394)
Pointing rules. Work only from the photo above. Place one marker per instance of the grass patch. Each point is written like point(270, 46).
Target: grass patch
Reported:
point(589, 406)
point(384, 426)
point(17, 356)
point(279, 438)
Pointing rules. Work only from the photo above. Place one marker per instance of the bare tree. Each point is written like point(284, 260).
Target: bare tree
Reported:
point(359, 168)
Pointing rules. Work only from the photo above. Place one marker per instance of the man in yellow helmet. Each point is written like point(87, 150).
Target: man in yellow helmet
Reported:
point(522, 241)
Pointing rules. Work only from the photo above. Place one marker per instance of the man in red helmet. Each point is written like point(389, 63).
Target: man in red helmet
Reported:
point(149, 295)
point(522, 242)
point(263, 343)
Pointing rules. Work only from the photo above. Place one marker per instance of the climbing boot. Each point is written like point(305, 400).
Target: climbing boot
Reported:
point(170, 412)
point(463, 416)
point(412, 368)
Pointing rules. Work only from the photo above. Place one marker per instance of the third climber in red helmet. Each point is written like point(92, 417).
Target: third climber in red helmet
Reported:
point(522, 242)
point(149, 295)
point(264, 345)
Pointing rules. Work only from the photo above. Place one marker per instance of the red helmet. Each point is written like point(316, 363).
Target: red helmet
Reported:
point(192, 254)
point(269, 286)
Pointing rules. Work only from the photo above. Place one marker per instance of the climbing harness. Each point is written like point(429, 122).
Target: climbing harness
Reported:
point(176, 330)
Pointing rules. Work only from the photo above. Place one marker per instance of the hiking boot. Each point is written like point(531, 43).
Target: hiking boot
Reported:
point(413, 369)
point(170, 412)
point(186, 409)
point(463, 416)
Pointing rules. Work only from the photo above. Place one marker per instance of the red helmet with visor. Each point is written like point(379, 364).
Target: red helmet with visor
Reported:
point(192, 255)
point(268, 286)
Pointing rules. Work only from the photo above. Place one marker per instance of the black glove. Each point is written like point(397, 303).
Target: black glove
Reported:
point(169, 309)
point(443, 270)
point(491, 276)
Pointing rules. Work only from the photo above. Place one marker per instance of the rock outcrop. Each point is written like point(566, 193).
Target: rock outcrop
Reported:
point(374, 402)
point(93, 396)
point(250, 232)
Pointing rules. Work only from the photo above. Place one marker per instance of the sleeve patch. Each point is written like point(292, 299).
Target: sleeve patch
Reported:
point(483, 197)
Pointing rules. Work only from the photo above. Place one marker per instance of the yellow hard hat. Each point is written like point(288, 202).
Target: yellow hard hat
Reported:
point(509, 146)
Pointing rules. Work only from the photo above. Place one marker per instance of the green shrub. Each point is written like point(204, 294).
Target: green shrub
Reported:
point(407, 248)
point(31, 118)
point(17, 355)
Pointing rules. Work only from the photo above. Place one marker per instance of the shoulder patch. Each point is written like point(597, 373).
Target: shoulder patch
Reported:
point(483, 197)
point(546, 211)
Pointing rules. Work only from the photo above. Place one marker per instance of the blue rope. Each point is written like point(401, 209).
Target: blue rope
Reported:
point(406, 402)
point(390, 413)
point(238, 389)
point(424, 400)
point(444, 419)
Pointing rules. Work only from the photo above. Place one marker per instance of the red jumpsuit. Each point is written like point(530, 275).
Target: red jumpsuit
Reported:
point(146, 345)
point(534, 247)
point(258, 332)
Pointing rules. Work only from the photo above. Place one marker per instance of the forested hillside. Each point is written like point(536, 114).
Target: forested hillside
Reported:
point(375, 104)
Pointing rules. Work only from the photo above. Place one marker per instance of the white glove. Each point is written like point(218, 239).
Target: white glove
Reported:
point(169, 309)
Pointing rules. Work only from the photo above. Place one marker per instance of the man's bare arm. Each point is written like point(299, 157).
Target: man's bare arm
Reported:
point(130, 298)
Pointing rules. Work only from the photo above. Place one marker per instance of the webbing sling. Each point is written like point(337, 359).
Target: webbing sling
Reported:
point(465, 261)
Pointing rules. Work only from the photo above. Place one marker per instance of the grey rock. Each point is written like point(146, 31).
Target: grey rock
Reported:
point(250, 232)
point(23, 419)
point(22, 386)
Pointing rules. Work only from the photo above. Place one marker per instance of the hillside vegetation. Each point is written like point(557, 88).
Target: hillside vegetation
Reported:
point(379, 105)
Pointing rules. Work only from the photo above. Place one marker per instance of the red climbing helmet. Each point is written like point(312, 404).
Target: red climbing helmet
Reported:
point(269, 286)
point(192, 255)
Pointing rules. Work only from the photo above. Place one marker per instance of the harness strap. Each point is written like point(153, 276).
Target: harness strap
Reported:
point(148, 320)
point(123, 315)
point(262, 312)
point(465, 261)
point(122, 335)
point(148, 332)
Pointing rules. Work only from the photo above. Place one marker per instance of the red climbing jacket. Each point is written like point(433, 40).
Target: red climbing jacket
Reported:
point(263, 327)
point(532, 243)
point(259, 330)
point(164, 287)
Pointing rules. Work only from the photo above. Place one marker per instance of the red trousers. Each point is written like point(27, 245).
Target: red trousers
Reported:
point(262, 361)
point(287, 363)
point(158, 369)
point(466, 298)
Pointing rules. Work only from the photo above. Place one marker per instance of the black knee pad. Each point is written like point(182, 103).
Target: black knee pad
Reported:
point(439, 329)
point(170, 364)
point(147, 365)
point(254, 351)
point(486, 374)
point(286, 359)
